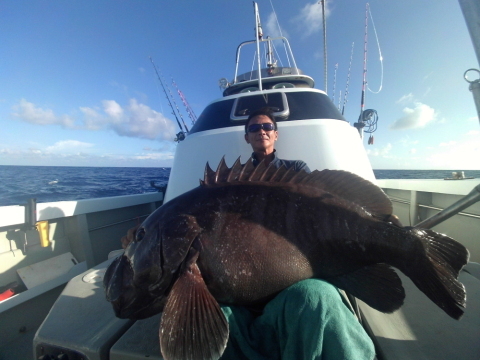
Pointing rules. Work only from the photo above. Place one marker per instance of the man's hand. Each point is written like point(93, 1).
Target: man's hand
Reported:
point(127, 239)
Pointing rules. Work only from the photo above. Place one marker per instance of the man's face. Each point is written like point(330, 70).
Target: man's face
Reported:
point(261, 141)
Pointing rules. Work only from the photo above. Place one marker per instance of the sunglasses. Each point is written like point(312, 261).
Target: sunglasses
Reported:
point(264, 126)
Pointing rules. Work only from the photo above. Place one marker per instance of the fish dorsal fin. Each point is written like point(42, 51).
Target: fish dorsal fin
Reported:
point(248, 167)
point(208, 177)
point(235, 171)
point(340, 183)
point(222, 172)
point(353, 188)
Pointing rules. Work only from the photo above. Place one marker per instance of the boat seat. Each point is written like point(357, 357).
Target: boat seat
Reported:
point(421, 330)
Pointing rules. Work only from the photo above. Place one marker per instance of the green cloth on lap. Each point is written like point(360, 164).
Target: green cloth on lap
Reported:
point(308, 320)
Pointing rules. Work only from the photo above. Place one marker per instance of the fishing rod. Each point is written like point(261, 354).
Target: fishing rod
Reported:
point(190, 112)
point(181, 134)
point(368, 117)
point(176, 106)
point(348, 81)
point(364, 83)
point(324, 44)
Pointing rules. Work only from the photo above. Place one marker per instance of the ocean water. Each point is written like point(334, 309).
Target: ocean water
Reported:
point(60, 183)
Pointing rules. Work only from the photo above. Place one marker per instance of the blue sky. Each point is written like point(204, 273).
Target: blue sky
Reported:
point(78, 87)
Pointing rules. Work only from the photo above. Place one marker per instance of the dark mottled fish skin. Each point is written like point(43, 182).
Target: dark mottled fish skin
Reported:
point(249, 232)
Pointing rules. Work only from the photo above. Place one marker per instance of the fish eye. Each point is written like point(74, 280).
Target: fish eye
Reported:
point(140, 234)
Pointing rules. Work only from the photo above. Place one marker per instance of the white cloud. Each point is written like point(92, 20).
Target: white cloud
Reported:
point(381, 152)
point(407, 141)
point(154, 156)
point(76, 153)
point(68, 146)
point(272, 29)
point(311, 17)
point(427, 76)
point(418, 117)
point(451, 155)
point(413, 151)
point(474, 132)
point(113, 110)
point(450, 143)
point(405, 99)
point(141, 121)
point(164, 146)
point(28, 112)
point(134, 120)
point(92, 119)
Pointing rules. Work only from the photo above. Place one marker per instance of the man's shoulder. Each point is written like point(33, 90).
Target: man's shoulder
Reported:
point(297, 165)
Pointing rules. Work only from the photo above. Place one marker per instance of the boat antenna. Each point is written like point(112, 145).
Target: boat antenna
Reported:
point(181, 134)
point(190, 112)
point(258, 37)
point(324, 43)
point(348, 81)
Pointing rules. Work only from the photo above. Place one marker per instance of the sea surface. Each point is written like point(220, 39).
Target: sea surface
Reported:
point(63, 183)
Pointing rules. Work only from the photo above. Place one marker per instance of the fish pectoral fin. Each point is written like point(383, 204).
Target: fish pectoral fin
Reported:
point(377, 285)
point(193, 325)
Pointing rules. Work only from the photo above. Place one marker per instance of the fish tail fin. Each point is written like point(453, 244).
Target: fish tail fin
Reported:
point(436, 273)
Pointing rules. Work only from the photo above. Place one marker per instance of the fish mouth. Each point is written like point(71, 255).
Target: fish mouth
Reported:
point(129, 301)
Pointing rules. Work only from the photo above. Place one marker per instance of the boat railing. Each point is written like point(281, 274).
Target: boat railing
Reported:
point(268, 39)
point(448, 207)
point(454, 209)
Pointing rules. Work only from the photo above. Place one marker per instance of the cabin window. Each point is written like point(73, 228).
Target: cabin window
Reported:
point(245, 105)
point(298, 105)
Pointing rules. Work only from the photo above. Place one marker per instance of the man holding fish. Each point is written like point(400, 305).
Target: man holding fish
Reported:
point(271, 242)
point(308, 320)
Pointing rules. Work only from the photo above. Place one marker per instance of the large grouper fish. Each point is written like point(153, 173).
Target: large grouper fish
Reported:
point(246, 233)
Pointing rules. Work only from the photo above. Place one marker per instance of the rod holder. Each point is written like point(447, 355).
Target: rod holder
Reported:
point(31, 214)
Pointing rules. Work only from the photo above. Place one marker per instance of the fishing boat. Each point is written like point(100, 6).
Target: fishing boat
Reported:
point(53, 255)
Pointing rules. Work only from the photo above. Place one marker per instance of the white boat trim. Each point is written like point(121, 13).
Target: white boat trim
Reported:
point(15, 215)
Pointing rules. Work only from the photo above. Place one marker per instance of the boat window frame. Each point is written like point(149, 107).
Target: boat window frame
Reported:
point(280, 114)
